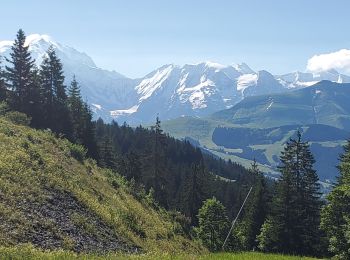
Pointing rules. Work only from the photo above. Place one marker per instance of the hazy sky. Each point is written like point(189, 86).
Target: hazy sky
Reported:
point(135, 37)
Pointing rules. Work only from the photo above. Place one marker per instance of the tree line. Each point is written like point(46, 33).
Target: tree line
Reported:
point(287, 215)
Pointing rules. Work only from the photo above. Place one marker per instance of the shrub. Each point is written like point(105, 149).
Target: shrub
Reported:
point(4, 108)
point(18, 118)
point(78, 151)
point(133, 224)
point(213, 224)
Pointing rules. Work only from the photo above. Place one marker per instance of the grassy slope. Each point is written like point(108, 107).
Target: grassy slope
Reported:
point(50, 200)
point(31, 253)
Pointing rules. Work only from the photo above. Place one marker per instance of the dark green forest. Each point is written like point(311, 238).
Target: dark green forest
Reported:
point(288, 215)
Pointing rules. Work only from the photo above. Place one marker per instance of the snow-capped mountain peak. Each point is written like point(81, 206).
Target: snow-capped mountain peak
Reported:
point(40, 38)
point(171, 90)
point(40, 43)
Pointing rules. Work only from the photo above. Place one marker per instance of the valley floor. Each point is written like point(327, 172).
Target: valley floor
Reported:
point(28, 252)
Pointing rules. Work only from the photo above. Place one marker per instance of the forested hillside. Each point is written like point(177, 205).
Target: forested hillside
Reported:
point(180, 176)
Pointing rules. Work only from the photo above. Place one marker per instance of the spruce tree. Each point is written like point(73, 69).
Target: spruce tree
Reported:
point(256, 209)
point(336, 214)
point(88, 131)
point(293, 224)
point(81, 123)
point(75, 106)
point(194, 191)
point(19, 75)
point(56, 114)
point(159, 169)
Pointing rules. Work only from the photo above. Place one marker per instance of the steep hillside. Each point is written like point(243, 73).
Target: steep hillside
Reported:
point(53, 198)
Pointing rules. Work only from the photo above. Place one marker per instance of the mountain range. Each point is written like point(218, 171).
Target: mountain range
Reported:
point(325, 103)
point(258, 127)
point(170, 91)
point(230, 111)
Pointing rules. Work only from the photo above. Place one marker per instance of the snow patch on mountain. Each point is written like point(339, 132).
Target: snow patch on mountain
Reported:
point(246, 80)
point(197, 94)
point(124, 112)
point(149, 85)
point(305, 84)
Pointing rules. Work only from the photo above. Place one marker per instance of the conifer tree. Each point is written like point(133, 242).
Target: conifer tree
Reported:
point(19, 75)
point(194, 191)
point(88, 131)
point(75, 106)
point(293, 224)
point(56, 114)
point(336, 214)
point(256, 209)
point(159, 170)
point(81, 120)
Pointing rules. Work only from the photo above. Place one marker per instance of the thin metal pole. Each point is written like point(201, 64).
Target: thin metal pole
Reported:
point(234, 221)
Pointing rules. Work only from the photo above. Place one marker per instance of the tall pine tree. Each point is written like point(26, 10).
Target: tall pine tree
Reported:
point(158, 173)
point(20, 75)
point(336, 214)
point(81, 120)
point(194, 192)
point(75, 106)
point(56, 114)
point(293, 224)
point(256, 209)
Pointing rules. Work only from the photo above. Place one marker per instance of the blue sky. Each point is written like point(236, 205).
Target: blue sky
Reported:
point(135, 37)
